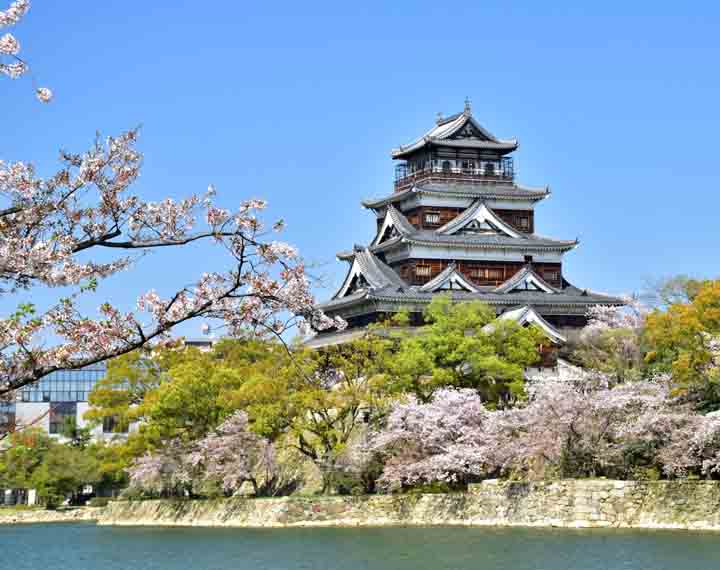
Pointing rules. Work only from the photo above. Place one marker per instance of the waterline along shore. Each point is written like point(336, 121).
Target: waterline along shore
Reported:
point(28, 516)
point(570, 503)
point(686, 505)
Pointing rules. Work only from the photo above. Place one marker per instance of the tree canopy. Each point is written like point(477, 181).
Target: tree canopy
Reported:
point(463, 346)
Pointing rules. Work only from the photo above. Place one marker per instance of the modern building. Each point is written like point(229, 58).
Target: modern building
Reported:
point(61, 399)
point(458, 223)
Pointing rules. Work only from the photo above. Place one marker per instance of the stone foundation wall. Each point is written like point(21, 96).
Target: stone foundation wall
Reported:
point(567, 503)
point(28, 516)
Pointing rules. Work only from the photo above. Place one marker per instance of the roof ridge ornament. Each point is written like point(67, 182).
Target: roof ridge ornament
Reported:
point(468, 108)
point(439, 118)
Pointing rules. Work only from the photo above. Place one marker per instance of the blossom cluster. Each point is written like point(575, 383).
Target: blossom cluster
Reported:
point(14, 13)
point(565, 428)
point(227, 457)
point(51, 229)
point(10, 63)
point(630, 315)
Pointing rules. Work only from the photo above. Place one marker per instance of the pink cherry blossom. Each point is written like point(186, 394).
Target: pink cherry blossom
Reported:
point(228, 457)
point(164, 472)
point(233, 455)
point(14, 13)
point(566, 428)
point(44, 94)
point(51, 229)
point(9, 45)
point(14, 67)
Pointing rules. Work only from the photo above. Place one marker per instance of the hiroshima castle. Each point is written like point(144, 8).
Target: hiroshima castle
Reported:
point(457, 223)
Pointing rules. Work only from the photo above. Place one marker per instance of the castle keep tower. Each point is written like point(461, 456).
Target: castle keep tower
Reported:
point(458, 223)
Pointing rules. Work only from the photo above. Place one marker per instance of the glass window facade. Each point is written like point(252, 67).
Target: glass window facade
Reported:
point(64, 385)
point(7, 417)
point(63, 417)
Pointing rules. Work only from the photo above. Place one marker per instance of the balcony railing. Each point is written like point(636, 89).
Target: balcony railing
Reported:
point(479, 173)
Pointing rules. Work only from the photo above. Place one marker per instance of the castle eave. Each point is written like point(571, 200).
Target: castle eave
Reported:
point(509, 192)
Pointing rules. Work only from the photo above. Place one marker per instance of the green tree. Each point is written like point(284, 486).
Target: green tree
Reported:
point(618, 352)
point(180, 393)
point(685, 341)
point(335, 394)
point(460, 347)
point(24, 454)
point(62, 473)
point(56, 470)
point(128, 380)
point(319, 401)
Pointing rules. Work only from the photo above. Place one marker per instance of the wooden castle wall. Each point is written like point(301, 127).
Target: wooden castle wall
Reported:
point(484, 273)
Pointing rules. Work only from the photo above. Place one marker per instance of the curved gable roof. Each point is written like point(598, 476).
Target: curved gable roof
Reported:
point(445, 129)
point(483, 217)
point(376, 273)
point(394, 219)
point(525, 280)
point(452, 277)
point(527, 315)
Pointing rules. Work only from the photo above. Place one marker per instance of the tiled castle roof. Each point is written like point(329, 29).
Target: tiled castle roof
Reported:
point(444, 129)
point(495, 190)
point(526, 287)
point(407, 233)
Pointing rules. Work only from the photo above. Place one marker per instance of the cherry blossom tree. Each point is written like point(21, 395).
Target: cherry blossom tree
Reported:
point(566, 428)
point(579, 429)
point(165, 472)
point(233, 454)
point(11, 64)
point(53, 229)
point(225, 458)
point(630, 315)
point(692, 445)
point(612, 340)
point(442, 440)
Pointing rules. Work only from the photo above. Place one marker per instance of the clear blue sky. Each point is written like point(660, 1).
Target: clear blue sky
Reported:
point(615, 105)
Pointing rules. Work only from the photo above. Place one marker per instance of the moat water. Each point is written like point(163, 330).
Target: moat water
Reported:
point(88, 547)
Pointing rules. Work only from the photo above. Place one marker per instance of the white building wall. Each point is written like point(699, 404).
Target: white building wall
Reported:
point(450, 201)
point(35, 413)
point(82, 407)
point(424, 252)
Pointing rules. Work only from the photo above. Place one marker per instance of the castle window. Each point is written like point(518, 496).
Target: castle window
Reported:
point(551, 276)
point(446, 166)
point(432, 218)
point(524, 223)
point(422, 270)
point(495, 274)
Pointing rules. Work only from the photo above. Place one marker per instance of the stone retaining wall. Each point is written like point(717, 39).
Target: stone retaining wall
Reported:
point(567, 503)
point(27, 516)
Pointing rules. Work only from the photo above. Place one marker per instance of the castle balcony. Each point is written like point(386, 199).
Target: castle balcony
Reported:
point(455, 172)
